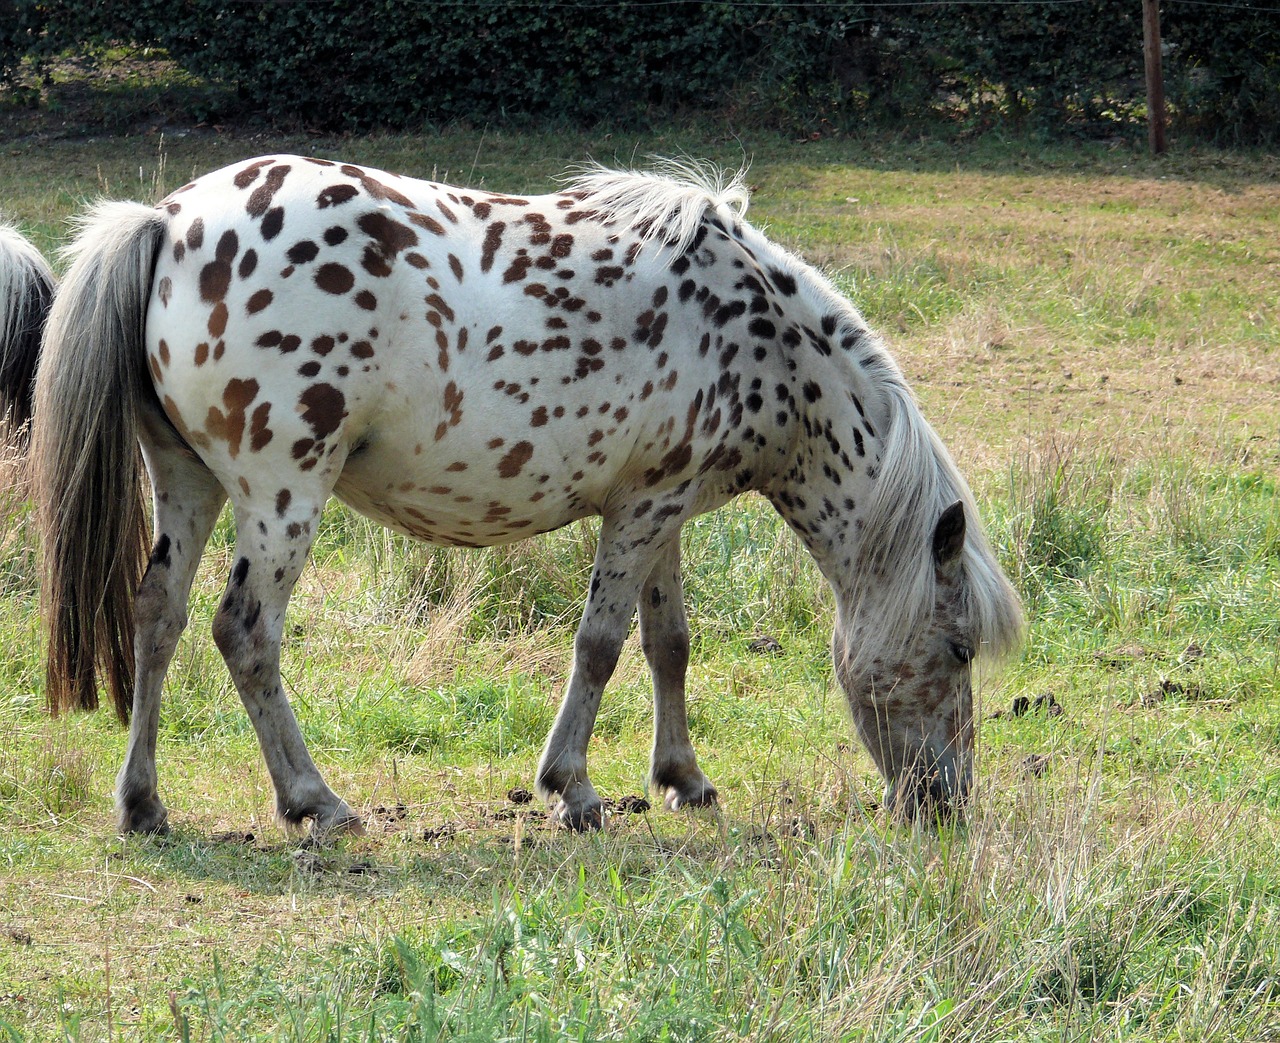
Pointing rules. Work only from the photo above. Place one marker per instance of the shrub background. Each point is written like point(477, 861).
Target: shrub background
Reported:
point(1050, 66)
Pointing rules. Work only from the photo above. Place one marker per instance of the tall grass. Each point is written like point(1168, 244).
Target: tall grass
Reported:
point(1038, 921)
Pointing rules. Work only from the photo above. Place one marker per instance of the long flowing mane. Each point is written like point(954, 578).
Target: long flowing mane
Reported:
point(889, 592)
point(918, 480)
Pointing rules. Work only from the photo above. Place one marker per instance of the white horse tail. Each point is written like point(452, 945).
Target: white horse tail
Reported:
point(86, 465)
point(26, 291)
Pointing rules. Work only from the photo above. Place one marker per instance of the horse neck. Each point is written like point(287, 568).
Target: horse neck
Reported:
point(868, 478)
point(865, 488)
point(833, 479)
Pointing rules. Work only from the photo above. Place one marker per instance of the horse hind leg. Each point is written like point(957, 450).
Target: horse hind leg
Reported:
point(187, 501)
point(606, 618)
point(664, 637)
point(271, 550)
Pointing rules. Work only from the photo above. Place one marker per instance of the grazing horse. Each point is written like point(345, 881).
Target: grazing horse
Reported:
point(473, 368)
point(26, 292)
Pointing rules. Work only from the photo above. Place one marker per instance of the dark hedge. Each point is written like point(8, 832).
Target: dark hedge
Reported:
point(1061, 67)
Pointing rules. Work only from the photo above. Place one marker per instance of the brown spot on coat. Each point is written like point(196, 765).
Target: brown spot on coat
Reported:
point(249, 174)
point(492, 242)
point(260, 198)
point(427, 223)
point(218, 320)
point(334, 278)
point(389, 237)
point(376, 188)
point(272, 223)
point(215, 278)
point(230, 426)
point(228, 247)
point(259, 433)
point(303, 252)
point(323, 408)
point(514, 460)
point(336, 195)
point(258, 301)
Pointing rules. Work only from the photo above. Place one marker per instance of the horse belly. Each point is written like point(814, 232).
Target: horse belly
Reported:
point(462, 493)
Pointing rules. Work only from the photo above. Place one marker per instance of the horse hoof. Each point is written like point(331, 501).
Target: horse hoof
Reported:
point(703, 796)
point(581, 820)
point(343, 821)
point(144, 820)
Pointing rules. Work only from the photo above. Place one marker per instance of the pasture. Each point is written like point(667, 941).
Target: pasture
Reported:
point(1095, 336)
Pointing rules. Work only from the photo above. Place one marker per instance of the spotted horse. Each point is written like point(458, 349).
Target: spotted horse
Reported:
point(474, 368)
point(26, 293)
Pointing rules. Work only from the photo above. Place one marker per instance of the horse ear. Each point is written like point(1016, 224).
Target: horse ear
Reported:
point(948, 536)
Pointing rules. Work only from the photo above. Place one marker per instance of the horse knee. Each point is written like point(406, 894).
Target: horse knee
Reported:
point(594, 657)
point(666, 650)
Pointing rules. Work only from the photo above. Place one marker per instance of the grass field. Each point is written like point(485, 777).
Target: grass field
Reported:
point(1096, 335)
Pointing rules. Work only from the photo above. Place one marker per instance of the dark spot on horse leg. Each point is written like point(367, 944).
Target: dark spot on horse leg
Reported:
point(160, 553)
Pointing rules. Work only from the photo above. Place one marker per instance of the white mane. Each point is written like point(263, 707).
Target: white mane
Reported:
point(889, 593)
point(668, 201)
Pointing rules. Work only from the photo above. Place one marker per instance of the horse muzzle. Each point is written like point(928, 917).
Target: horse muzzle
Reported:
point(936, 788)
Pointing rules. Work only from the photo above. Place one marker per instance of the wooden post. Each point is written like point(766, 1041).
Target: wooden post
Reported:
point(1155, 78)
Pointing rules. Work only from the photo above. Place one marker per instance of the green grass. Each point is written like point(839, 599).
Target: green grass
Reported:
point(1094, 334)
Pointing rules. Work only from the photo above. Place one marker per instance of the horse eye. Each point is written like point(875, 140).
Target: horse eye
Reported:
point(962, 652)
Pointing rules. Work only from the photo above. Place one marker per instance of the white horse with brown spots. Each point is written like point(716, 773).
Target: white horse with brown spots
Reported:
point(472, 369)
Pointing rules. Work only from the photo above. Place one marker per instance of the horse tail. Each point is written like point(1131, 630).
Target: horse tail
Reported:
point(26, 292)
point(86, 465)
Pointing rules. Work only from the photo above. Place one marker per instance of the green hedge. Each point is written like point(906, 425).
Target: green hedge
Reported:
point(1060, 66)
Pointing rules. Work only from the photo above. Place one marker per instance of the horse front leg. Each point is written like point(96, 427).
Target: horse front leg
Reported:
point(271, 550)
point(664, 636)
point(621, 563)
